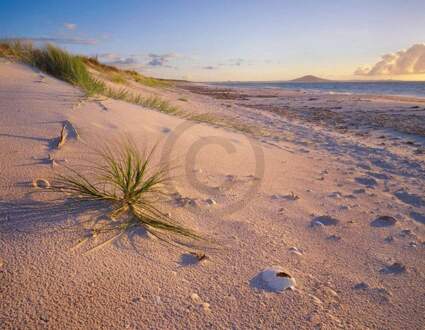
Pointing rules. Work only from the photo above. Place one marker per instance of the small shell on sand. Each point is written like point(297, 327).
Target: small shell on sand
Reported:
point(196, 299)
point(295, 250)
point(277, 279)
point(40, 183)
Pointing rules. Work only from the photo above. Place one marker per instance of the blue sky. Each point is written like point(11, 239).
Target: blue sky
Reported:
point(233, 39)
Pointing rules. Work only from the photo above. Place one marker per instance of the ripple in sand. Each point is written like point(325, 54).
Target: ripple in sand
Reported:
point(410, 199)
point(394, 269)
point(384, 221)
point(369, 182)
point(419, 217)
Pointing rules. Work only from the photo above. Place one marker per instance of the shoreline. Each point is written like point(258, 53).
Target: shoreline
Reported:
point(401, 113)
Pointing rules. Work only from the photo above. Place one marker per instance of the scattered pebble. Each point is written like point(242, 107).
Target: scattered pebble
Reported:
point(196, 299)
point(330, 292)
point(136, 300)
point(389, 239)
point(335, 194)
point(210, 201)
point(296, 251)
point(335, 238)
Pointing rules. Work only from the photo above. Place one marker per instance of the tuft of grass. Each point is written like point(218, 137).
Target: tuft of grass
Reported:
point(127, 180)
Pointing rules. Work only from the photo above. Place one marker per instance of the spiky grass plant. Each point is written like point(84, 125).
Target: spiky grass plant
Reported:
point(127, 180)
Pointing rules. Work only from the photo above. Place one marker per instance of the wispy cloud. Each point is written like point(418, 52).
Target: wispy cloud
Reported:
point(410, 61)
point(70, 26)
point(209, 67)
point(70, 41)
point(115, 59)
point(160, 59)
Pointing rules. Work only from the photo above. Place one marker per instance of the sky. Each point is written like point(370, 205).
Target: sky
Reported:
point(220, 40)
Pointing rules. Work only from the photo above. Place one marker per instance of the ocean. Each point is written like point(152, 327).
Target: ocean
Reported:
point(405, 88)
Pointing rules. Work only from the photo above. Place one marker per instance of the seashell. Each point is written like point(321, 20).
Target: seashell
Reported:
point(276, 279)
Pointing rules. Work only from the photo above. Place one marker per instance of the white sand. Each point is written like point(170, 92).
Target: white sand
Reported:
point(342, 269)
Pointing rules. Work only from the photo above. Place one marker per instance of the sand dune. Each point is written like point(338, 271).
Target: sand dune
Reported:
point(299, 198)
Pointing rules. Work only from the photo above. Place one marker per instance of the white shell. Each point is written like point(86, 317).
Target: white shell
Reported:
point(276, 279)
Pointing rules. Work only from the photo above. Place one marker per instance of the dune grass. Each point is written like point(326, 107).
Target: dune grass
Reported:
point(127, 180)
point(147, 81)
point(56, 62)
point(152, 102)
point(120, 76)
point(72, 68)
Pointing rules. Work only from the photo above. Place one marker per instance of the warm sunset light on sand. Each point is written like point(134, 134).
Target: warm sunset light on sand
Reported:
point(212, 164)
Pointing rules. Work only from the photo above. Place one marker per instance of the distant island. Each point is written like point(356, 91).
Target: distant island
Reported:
point(310, 79)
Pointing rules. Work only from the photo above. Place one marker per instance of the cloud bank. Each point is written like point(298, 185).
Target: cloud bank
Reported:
point(410, 61)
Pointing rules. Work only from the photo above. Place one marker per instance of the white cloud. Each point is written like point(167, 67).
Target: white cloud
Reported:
point(410, 61)
point(70, 26)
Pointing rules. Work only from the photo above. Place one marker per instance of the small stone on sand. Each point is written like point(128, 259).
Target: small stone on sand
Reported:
point(40, 183)
point(211, 201)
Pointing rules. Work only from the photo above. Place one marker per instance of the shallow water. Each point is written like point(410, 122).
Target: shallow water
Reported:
point(402, 88)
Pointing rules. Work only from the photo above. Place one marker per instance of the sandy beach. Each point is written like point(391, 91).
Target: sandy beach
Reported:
point(328, 187)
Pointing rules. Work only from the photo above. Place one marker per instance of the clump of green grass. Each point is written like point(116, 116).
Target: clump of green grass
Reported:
point(127, 180)
point(56, 62)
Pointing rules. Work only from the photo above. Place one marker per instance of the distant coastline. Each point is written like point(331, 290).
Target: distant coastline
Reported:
point(390, 88)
